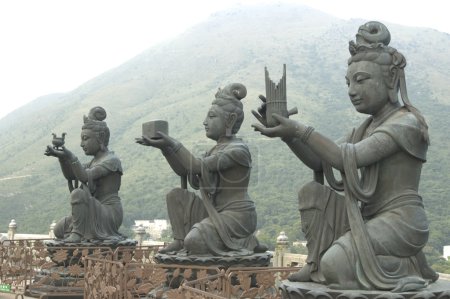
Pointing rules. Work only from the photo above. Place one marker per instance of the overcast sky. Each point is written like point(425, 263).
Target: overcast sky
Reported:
point(50, 46)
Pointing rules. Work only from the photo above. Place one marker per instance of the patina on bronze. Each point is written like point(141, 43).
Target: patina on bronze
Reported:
point(222, 220)
point(96, 207)
point(371, 237)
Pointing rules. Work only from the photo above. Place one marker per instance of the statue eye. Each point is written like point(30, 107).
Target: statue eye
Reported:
point(361, 77)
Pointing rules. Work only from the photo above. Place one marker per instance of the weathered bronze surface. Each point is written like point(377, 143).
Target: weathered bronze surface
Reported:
point(96, 207)
point(370, 237)
point(222, 220)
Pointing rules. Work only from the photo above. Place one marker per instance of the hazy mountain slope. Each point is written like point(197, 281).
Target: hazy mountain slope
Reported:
point(177, 81)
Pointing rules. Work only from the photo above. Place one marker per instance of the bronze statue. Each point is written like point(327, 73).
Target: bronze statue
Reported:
point(222, 221)
point(371, 238)
point(96, 207)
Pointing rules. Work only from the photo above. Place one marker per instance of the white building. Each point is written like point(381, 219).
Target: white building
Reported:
point(446, 250)
point(152, 227)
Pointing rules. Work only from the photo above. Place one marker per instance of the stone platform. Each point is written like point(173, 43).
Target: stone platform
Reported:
point(309, 290)
point(254, 260)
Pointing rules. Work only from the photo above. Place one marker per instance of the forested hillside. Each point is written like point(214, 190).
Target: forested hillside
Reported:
point(177, 80)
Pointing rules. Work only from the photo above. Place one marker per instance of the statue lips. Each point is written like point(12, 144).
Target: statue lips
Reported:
point(356, 102)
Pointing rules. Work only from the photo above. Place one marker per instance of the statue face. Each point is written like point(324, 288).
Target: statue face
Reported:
point(366, 87)
point(214, 123)
point(89, 142)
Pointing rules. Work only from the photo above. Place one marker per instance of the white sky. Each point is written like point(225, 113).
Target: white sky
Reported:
point(49, 46)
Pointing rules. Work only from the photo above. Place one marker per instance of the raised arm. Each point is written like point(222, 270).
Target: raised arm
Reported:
point(67, 170)
point(168, 147)
point(64, 156)
point(368, 151)
point(172, 159)
point(304, 153)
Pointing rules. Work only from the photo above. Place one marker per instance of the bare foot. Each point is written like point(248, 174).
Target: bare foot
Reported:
point(176, 245)
point(73, 238)
point(303, 275)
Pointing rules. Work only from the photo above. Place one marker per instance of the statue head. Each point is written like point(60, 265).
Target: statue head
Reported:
point(227, 109)
point(95, 127)
point(371, 51)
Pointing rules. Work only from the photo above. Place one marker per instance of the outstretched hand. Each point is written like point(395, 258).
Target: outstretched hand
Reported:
point(286, 129)
point(261, 113)
point(62, 154)
point(162, 142)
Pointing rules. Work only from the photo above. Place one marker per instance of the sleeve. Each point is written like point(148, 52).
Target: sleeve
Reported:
point(407, 134)
point(374, 148)
point(227, 158)
point(104, 167)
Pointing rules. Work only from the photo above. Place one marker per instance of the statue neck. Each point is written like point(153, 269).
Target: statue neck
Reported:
point(100, 154)
point(385, 112)
point(225, 139)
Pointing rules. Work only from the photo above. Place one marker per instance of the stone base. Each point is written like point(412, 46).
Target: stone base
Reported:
point(254, 260)
point(73, 254)
point(113, 244)
point(302, 290)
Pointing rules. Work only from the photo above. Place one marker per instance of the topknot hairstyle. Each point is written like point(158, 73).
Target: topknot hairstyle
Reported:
point(95, 122)
point(229, 99)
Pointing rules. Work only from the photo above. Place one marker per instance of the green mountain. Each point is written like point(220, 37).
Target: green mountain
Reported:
point(177, 80)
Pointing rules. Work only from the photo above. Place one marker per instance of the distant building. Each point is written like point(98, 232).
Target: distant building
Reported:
point(153, 228)
point(446, 250)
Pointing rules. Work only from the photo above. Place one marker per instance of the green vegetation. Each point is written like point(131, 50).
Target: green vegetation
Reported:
point(176, 81)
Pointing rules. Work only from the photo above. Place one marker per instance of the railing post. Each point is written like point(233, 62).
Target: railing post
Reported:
point(51, 233)
point(282, 246)
point(140, 234)
point(12, 228)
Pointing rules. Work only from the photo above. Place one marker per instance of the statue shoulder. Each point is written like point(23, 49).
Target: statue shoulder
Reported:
point(405, 129)
point(239, 152)
point(111, 162)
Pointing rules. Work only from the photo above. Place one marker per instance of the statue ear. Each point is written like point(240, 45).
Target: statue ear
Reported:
point(393, 84)
point(229, 123)
point(101, 137)
point(231, 120)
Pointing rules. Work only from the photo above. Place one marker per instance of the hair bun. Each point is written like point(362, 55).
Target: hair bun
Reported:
point(97, 113)
point(233, 91)
point(238, 90)
point(373, 32)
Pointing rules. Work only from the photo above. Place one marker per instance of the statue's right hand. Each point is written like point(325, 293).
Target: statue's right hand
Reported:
point(158, 143)
point(52, 152)
point(261, 113)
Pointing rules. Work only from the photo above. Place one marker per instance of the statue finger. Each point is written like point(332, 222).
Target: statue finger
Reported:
point(49, 151)
point(262, 98)
point(262, 109)
point(281, 119)
point(269, 132)
point(259, 117)
point(163, 135)
point(260, 128)
point(146, 140)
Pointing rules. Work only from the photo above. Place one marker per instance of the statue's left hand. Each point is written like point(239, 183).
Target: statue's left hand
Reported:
point(286, 129)
point(62, 154)
point(163, 142)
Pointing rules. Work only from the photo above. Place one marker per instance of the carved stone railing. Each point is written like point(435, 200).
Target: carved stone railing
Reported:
point(132, 274)
point(28, 267)
point(245, 282)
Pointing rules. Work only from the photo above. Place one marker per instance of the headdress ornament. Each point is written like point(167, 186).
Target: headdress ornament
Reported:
point(233, 91)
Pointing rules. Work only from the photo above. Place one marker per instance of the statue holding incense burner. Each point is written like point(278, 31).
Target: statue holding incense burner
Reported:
point(96, 207)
